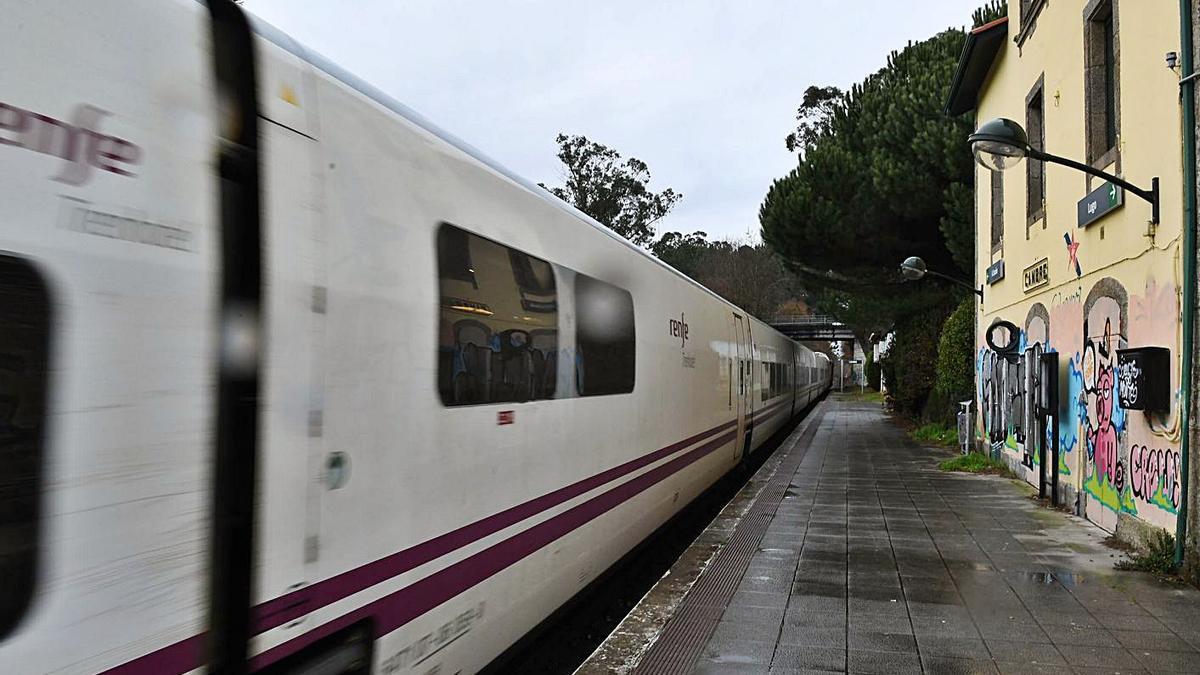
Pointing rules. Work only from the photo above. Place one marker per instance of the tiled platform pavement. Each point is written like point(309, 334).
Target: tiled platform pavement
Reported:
point(874, 561)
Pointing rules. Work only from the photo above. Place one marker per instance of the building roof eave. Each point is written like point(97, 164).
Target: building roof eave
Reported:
point(979, 53)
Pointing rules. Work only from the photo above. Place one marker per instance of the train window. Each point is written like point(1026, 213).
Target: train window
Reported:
point(498, 321)
point(604, 338)
point(24, 355)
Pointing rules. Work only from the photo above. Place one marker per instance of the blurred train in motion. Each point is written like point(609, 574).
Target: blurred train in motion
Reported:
point(291, 380)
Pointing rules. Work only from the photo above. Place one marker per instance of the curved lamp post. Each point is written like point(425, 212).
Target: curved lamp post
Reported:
point(914, 268)
point(1002, 143)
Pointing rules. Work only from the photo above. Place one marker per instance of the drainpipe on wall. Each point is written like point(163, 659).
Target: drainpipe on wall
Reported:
point(1189, 269)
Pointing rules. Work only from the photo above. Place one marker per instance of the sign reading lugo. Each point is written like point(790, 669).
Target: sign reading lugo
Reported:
point(1037, 274)
point(1099, 203)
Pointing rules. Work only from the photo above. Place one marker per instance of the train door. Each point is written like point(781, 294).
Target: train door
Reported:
point(794, 370)
point(287, 510)
point(742, 384)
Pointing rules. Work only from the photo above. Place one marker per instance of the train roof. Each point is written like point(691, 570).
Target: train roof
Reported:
point(287, 43)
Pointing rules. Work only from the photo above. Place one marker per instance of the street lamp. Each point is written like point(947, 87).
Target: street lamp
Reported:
point(1002, 143)
point(914, 268)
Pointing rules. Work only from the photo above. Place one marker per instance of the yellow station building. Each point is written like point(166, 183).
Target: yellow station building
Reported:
point(1075, 264)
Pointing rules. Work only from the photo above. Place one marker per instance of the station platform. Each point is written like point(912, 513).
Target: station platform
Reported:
point(850, 551)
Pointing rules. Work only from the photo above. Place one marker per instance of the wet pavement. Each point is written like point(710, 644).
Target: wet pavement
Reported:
point(865, 558)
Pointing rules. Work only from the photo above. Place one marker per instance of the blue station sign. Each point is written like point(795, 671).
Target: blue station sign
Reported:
point(1100, 202)
point(995, 272)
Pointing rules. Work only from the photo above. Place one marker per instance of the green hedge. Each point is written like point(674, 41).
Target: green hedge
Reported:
point(955, 362)
point(929, 366)
point(909, 365)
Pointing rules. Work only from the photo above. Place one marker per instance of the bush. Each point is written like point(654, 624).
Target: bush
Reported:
point(910, 362)
point(1158, 558)
point(873, 372)
point(955, 356)
point(937, 434)
point(953, 372)
point(976, 463)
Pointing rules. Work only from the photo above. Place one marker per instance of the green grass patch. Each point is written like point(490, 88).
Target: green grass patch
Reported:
point(868, 396)
point(936, 434)
point(976, 463)
point(1158, 558)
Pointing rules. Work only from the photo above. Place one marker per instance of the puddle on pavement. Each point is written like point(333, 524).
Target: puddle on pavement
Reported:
point(1048, 578)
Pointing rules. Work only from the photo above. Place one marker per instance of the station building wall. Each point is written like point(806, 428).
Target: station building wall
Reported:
point(1114, 284)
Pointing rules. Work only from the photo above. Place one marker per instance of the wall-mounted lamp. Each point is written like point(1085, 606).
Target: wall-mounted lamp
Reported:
point(914, 268)
point(1002, 143)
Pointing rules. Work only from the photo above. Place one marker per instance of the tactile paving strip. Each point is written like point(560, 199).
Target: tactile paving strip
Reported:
point(678, 647)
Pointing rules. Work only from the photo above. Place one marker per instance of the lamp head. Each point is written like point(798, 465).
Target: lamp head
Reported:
point(913, 268)
point(999, 144)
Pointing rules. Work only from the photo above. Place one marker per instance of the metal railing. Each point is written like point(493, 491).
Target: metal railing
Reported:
point(805, 320)
point(811, 327)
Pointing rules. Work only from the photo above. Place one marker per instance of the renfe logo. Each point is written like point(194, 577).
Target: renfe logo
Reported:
point(78, 141)
point(679, 329)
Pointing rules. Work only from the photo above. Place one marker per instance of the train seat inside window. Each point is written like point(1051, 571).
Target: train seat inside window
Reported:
point(499, 326)
point(494, 301)
point(545, 360)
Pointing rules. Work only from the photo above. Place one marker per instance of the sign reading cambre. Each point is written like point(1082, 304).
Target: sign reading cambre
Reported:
point(1037, 274)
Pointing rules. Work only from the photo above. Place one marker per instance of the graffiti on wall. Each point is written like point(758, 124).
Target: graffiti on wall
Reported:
point(1073, 253)
point(1120, 461)
point(1102, 417)
point(1009, 394)
point(1154, 476)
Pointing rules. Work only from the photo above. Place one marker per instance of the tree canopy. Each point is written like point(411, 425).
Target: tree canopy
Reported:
point(882, 174)
point(749, 275)
point(685, 252)
point(614, 191)
point(611, 190)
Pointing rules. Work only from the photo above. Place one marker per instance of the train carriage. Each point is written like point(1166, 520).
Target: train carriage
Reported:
point(471, 399)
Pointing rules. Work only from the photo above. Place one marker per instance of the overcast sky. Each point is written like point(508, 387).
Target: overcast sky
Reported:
point(703, 91)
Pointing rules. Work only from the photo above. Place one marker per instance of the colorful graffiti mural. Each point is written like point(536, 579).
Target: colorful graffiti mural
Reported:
point(1103, 419)
point(1117, 461)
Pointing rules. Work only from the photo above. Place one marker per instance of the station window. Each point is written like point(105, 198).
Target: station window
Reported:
point(498, 323)
point(1035, 171)
point(997, 178)
point(1029, 13)
point(604, 338)
point(24, 356)
point(1102, 107)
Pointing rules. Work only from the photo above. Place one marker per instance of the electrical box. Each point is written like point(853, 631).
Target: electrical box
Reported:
point(1144, 378)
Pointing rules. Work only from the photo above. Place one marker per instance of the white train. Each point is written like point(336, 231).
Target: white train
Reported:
point(445, 401)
